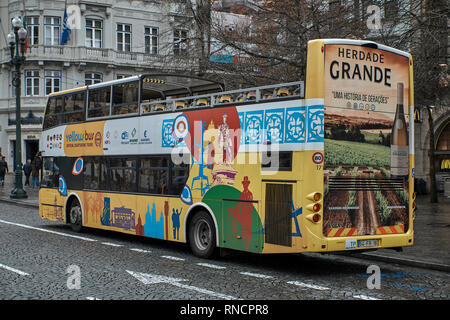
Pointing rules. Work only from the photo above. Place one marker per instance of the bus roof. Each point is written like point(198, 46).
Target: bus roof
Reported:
point(67, 91)
point(166, 84)
point(366, 43)
point(161, 85)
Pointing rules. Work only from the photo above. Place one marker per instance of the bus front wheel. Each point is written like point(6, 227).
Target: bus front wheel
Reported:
point(75, 216)
point(202, 235)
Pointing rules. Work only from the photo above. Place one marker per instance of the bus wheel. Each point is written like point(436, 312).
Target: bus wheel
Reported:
point(75, 216)
point(202, 235)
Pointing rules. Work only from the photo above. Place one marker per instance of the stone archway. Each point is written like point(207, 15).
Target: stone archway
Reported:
point(442, 153)
point(441, 123)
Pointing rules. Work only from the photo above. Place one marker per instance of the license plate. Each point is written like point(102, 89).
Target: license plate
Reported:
point(367, 243)
point(350, 244)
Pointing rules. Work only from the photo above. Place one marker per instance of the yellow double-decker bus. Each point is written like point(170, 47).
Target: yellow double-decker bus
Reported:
point(319, 165)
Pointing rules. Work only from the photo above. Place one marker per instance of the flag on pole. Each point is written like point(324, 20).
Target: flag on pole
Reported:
point(66, 29)
point(24, 20)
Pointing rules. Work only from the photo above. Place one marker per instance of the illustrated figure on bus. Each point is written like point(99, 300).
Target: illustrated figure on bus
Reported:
point(242, 213)
point(152, 227)
point(225, 143)
point(105, 218)
point(176, 223)
point(224, 172)
point(202, 179)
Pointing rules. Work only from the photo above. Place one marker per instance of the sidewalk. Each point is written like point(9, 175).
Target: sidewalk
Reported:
point(431, 231)
point(431, 237)
point(5, 191)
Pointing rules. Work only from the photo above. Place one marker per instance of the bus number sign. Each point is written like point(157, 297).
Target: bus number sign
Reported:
point(317, 158)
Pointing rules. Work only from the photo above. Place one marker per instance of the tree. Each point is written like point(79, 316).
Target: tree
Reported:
point(274, 40)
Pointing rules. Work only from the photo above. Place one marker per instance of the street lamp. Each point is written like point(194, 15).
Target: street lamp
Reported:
point(16, 40)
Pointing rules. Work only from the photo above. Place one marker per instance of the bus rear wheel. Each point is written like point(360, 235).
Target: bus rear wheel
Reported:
point(202, 235)
point(75, 218)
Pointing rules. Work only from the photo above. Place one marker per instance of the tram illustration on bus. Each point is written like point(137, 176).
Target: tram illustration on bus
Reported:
point(319, 165)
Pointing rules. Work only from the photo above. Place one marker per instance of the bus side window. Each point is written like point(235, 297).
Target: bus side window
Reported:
point(179, 174)
point(53, 113)
point(99, 102)
point(125, 98)
point(47, 168)
point(153, 175)
point(73, 107)
point(274, 160)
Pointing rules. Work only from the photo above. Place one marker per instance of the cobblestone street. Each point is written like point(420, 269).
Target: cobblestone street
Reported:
point(39, 260)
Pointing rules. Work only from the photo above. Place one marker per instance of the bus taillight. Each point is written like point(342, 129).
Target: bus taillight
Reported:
point(315, 196)
point(315, 207)
point(316, 217)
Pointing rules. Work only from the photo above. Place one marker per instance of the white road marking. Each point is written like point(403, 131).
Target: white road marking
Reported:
point(256, 275)
point(147, 278)
point(209, 265)
point(45, 230)
point(92, 298)
point(140, 250)
point(173, 258)
point(308, 285)
point(364, 297)
point(112, 244)
point(22, 273)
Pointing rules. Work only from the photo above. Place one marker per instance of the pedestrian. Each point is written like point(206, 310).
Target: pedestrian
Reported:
point(27, 172)
point(34, 174)
point(3, 169)
point(38, 159)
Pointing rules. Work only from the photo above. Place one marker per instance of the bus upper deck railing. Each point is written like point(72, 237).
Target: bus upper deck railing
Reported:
point(290, 90)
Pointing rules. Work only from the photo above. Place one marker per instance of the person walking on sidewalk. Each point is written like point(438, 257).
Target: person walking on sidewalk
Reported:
point(34, 174)
point(3, 169)
point(38, 159)
point(27, 172)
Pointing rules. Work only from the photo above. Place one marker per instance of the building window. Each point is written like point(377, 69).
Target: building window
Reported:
point(122, 75)
point(123, 37)
point(52, 29)
point(33, 30)
point(32, 82)
point(151, 40)
point(92, 78)
point(180, 42)
point(94, 31)
point(52, 81)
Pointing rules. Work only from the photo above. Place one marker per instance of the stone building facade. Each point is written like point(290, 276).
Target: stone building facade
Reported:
point(109, 39)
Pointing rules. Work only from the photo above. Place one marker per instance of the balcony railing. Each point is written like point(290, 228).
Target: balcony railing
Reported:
point(86, 54)
point(30, 118)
